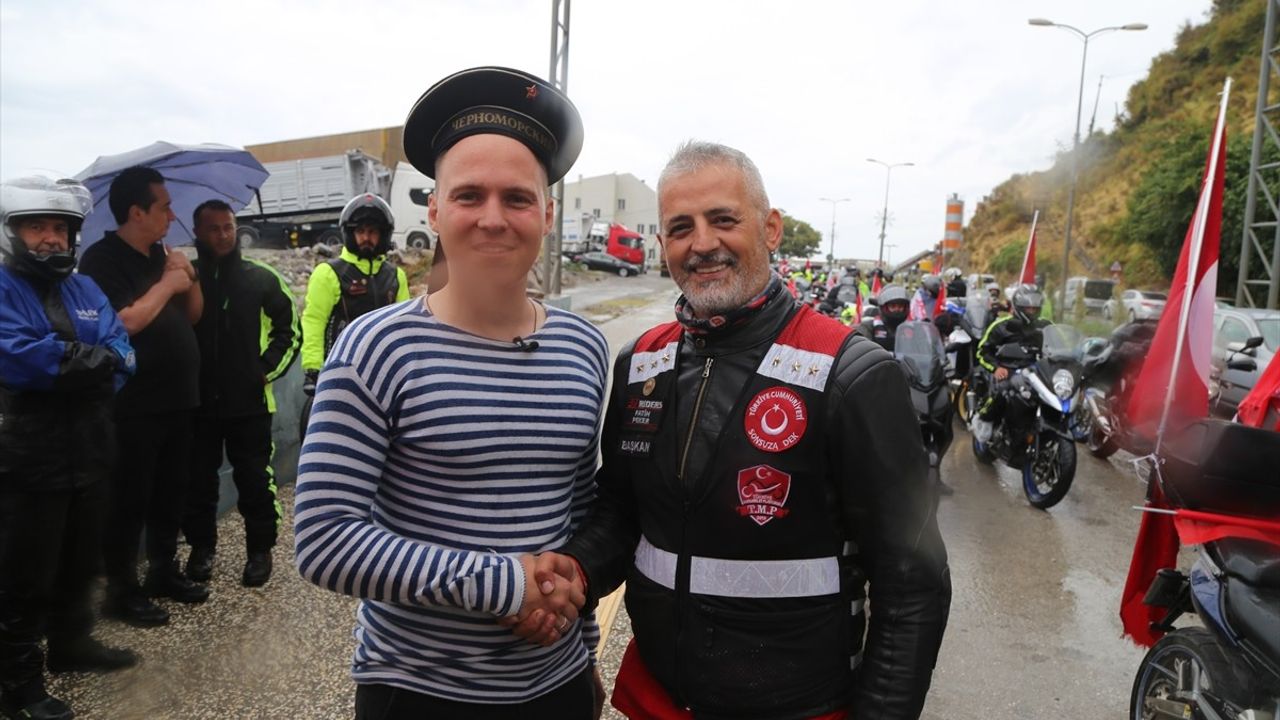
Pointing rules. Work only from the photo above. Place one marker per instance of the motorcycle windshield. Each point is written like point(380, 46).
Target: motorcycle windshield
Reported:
point(918, 346)
point(976, 311)
point(1061, 344)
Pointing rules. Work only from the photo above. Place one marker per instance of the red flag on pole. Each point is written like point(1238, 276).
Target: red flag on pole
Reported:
point(940, 305)
point(875, 285)
point(1028, 274)
point(1261, 407)
point(1173, 385)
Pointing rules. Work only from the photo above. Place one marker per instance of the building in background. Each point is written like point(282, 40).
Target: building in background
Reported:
point(619, 198)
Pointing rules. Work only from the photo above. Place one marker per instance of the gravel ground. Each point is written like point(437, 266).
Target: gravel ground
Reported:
point(280, 651)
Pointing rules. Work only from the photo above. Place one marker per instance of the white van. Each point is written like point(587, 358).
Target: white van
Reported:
point(409, 191)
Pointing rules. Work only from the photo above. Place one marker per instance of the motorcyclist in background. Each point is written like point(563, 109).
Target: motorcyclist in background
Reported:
point(1021, 326)
point(954, 278)
point(359, 280)
point(926, 298)
point(63, 355)
point(845, 291)
point(893, 303)
point(995, 303)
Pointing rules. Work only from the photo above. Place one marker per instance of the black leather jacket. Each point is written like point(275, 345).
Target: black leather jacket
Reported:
point(879, 494)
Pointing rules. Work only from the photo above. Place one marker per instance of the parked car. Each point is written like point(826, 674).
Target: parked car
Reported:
point(1095, 294)
point(609, 263)
point(1135, 305)
point(1232, 329)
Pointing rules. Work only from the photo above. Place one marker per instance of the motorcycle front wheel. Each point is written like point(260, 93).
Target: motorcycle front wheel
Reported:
point(982, 451)
point(960, 400)
point(1047, 473)
point(1184, 671)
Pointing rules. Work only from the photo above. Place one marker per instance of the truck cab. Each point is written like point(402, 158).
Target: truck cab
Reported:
point(408, 201)
point(618, 241)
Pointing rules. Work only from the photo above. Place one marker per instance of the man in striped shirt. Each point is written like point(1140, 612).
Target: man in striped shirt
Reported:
point(455, 436)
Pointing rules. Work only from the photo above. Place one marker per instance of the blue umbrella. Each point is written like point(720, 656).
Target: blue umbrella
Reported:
point(192, 174)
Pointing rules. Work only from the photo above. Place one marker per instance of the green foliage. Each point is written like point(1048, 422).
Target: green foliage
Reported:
point(1139, 183)
point(1008, 262)
point(1161, 207)
point(799, 239)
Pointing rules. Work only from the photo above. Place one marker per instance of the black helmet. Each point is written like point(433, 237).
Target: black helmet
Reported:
point(1027, 301)
point(931, 283)
point(367, 209)
point(897, 296)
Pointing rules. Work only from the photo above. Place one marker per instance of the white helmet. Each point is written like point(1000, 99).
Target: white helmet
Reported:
point(37, 196)
point(951, 273)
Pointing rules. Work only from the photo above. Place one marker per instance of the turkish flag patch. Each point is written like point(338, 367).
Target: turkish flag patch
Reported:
point(776, 419)
point(763, 491)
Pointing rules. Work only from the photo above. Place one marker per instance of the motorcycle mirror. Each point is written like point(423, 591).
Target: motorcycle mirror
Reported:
point(1243, 364)
point(1253, 342)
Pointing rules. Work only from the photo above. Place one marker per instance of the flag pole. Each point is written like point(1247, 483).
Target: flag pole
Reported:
point(1193, 266)
point(1026, 254)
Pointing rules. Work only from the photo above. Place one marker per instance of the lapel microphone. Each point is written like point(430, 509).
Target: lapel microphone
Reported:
point(524, 346)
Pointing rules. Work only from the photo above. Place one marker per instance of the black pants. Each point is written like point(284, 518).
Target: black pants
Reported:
point(48, 558)
point(248, 446)
point(147, 489)
point(574, 700)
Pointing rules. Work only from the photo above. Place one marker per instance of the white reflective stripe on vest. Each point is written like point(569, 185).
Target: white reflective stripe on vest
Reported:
point(742, 578)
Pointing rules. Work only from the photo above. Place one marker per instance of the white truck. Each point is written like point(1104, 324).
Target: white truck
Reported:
point(301, 200)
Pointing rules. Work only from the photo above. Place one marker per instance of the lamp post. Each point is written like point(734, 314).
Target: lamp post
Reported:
point(1075, 142)
point(831, 255)
point(884, 217)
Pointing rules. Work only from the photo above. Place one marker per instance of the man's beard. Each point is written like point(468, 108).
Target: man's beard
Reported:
point(739, 286)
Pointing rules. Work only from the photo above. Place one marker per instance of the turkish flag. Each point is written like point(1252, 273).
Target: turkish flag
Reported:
point(1028, 274)
point(1173, 385)
point(875, 286)
point(940, 305)
point(1196, 527)
point(1263, 400)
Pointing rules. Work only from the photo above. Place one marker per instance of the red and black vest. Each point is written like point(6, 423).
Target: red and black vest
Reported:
point(741, 596)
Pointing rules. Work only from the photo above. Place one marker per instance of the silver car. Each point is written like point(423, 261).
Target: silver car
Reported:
point(1135, 305)
point(1232, 329)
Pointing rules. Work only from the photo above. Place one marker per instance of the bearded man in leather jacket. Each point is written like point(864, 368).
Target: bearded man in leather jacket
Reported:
point(762, 466)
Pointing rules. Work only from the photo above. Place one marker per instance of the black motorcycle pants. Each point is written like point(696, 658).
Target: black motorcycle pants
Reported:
point(148, 486)
point(248, 446)
point(49, 554)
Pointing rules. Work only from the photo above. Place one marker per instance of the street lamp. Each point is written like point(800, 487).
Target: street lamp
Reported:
point(884, 217)
point(1075, 142)
point(831, 256)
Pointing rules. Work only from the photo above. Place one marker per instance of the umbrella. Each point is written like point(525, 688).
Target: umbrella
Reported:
point(192, 174)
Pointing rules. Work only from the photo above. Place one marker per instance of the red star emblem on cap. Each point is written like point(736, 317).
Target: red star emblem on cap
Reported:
point(531, 92)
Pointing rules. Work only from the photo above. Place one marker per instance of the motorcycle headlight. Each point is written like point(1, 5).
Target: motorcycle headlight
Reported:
point(1063, 384)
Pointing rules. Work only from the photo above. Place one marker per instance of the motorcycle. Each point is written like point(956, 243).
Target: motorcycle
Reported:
point(918, 348)
point(966, 376)
point(1109, 369)
point(1227, 665)
point(1034, 434)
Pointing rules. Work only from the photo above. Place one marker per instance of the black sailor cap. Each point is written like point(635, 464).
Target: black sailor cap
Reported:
point(494, 100)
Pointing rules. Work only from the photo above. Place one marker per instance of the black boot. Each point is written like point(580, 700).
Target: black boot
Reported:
point(86, 654)
point(164, 580)
point(257, 569)
point(31, 702)
point(200, 564)
point(130, 606)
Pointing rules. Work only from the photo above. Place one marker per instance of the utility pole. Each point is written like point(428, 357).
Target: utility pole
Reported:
point(831, 254)
point(884, 216)
point(558, 77)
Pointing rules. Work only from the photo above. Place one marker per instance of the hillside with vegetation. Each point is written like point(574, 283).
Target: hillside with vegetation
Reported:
point(1138, 184)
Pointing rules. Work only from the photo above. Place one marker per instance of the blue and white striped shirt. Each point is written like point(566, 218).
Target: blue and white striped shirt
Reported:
point(433, 459)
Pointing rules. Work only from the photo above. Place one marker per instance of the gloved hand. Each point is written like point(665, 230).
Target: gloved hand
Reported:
point(309, 382)
point(128, 362)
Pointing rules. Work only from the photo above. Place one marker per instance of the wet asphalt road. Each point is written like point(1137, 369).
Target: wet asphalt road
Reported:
point(1034, 630)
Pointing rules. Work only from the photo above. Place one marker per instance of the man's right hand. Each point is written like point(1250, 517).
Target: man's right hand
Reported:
point(177, 280)
point(1002, 374)
point(554, 592)
point(309, 379)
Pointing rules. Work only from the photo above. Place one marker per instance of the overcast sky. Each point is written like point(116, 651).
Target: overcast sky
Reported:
point(968, 91)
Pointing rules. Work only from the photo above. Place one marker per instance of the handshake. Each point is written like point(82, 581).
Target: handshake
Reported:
point(554, 592)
